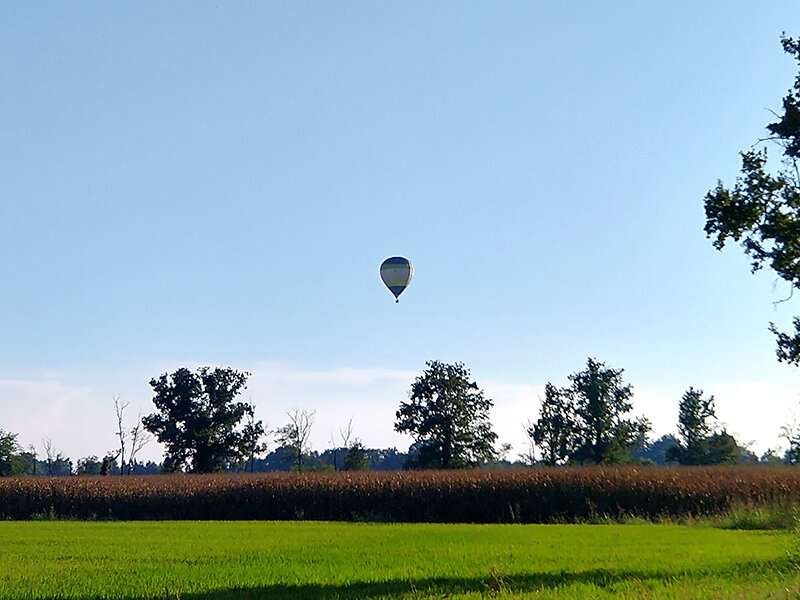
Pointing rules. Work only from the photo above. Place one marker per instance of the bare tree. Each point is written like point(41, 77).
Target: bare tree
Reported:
point(119, 409)
point(345, 434)
point(50, 454)
point(133, 440)
point(57, 463)
point(294, 436)
point(139, 438)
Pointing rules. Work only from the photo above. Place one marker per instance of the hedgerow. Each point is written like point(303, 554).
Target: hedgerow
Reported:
point(536, 495)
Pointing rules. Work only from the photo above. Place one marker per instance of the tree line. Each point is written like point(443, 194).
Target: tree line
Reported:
point(204, 427)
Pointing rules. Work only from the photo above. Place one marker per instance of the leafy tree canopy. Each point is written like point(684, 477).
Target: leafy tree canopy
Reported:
point(355, 458)
point(762, 210)
point(694, 428)
point(554, 431)
point(198, 418)
point(723, 449)
point(448, 416)
point(584, 422)
point(9, 450)
point(600, 398)
point(89, 465)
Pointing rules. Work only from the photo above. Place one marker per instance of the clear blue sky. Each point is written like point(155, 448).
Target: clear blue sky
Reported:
point(194, 183)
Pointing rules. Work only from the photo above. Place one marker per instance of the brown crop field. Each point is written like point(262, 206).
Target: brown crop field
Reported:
point(535, 495)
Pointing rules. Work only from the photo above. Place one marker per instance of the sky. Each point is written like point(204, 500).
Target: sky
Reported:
point(204, 183)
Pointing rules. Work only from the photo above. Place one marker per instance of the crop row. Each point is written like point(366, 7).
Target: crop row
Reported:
point(536, 495)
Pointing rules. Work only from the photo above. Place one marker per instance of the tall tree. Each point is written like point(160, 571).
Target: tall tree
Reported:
point(600, 398)
point(554, 431)
point(448, 417)
point(122, 436)
point(198, 418)
point(762, 210)
point(694, 428)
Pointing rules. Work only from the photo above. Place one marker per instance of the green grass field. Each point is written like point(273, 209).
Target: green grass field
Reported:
point(235, 560)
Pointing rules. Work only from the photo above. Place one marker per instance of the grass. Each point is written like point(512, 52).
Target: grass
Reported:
point(776, 516)
point(208, 560)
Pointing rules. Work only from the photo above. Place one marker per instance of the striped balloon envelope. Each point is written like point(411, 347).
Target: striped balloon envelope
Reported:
point(396, 273)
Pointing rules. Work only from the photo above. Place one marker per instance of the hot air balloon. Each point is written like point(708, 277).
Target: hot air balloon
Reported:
point(396, 273)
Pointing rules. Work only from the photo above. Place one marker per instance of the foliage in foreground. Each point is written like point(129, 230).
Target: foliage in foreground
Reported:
point(762, 209)
point(327, 561)
point(543, 495)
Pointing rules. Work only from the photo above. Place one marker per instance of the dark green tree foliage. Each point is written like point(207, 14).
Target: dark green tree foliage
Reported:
point(600, 398)
point(723, 449)
point(10, 463)
point(250, 447)
point(109, 464)
point(694, 413)
point(28, 463)
point(355, 458)
point(585, 422)
point(694, 429)
point(61, 465)
point(554, 431)
point(89, 465)
point(762, 210)
point(198, 419)
point(657, 451)
point(448, 416)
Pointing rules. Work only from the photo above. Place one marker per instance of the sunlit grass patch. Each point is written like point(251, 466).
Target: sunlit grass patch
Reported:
point(237, 560)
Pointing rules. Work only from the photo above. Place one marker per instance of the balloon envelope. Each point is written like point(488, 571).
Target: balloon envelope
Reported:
point(396, 273)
